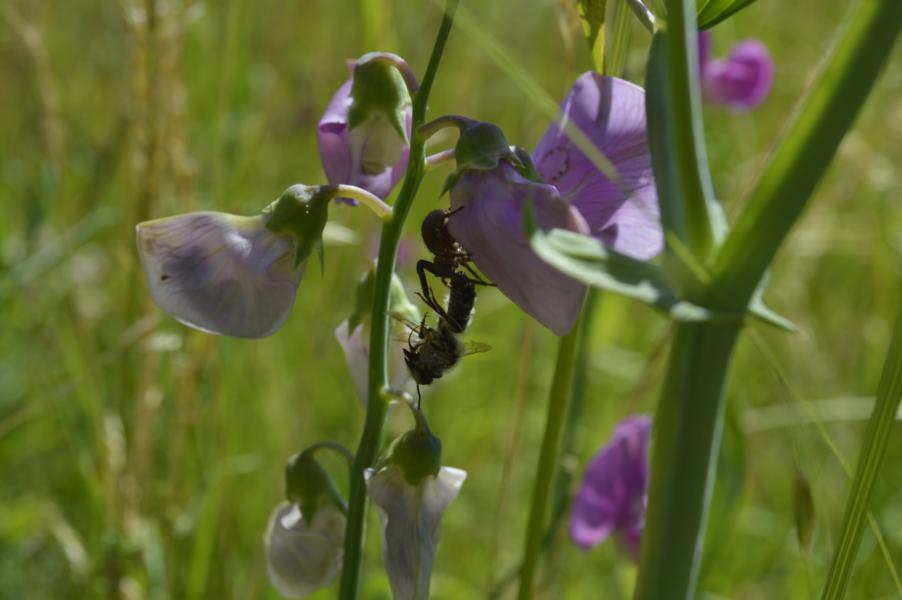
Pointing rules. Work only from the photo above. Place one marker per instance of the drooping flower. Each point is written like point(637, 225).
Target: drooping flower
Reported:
point(220, 273)
point(365, 132)
point(411, 516)
point(490, 227)
point(740, 82)
point(612, 496)
point(302, 557)
point(238, 276)
point(566, 189)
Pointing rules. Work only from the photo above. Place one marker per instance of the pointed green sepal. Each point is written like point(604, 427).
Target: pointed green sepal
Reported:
point(301, 211)
point(481, 147)
point(379, 92)
point(418, 453)
point(309, 485)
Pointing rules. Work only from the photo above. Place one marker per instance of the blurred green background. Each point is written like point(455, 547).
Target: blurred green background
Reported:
point(141, 459)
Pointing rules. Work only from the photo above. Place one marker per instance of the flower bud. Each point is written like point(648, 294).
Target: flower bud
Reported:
point(364, 136)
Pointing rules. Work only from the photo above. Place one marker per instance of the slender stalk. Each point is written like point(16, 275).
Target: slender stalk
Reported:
point(873, 449)
point(377, 406)
point(558, 401)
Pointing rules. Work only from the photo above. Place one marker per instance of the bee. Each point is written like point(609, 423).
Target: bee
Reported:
point(449, 260)
point(436, 350)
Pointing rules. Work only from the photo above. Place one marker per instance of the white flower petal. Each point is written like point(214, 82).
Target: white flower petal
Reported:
point(411, 518)
point(356, 350)
point(300, 559)
point(220, 273)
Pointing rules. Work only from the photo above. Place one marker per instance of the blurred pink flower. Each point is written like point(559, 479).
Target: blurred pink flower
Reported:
point(740, 82)
point(612, 496)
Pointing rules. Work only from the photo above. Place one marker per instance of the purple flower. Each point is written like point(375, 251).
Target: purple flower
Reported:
point(612, 496)
point(371, 154)
point(575, 195)
point(491, 228)
point(611, 113)
point(740, 82)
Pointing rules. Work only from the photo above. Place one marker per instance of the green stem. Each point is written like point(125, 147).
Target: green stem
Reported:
point(685, 445)
point(377, 405)
point(558, 402)
point(873, 449)
point(689, 418)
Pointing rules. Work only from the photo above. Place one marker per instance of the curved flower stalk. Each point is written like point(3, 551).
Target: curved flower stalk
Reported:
point(565, 189)
point(303, 557)
point(364, 135)
point(233, 275)
point(612, 496)
point(411, 516)
point(740, 82)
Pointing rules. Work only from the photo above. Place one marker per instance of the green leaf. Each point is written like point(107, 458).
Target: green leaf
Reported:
point(712, 12)
point(591, 13)
point(873, 449)
point(618, 44)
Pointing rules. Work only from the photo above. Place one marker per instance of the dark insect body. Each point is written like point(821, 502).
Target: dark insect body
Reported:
point(438, 349)
point(449, 259)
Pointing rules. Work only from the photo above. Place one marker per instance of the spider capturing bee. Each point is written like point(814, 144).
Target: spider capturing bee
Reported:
point(449, 258)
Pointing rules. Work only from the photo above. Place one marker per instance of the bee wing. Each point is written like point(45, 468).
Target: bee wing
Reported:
point(475, 348)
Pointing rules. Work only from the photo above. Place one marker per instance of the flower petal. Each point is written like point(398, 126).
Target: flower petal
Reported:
point(356, 350)
point(612, 494)
point(743, 80)
point(489, 225)
point(611, 113)
point(220, 273)
point(411, 518)
point(302, 559)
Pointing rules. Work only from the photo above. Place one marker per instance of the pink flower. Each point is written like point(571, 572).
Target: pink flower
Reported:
point(740, 82)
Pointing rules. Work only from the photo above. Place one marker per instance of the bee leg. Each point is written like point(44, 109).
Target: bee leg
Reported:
point(419, 398)
point(427, 295)
point(476, 278)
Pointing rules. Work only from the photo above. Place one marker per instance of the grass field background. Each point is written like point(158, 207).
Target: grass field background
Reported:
point(140, 459)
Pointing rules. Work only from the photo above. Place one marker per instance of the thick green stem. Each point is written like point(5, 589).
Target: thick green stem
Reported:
point(876, 437)
point(686, 435)
point(558, 402)
point(686, 439)
point(377, 405)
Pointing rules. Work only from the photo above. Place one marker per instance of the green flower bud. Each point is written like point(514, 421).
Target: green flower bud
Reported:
point(418, 454)
point(309, 486)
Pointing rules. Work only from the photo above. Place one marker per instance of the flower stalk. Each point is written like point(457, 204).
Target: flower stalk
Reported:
point(379, 332)
point(558, 402)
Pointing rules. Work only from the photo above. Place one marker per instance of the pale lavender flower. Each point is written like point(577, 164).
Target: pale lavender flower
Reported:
point(575, 195)
point(220, 273)
point(303, 557)
point(740, 82)
point(612, 496)
point(411, 516)
point(372, 155)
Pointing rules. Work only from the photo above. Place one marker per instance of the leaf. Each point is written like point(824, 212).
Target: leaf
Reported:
point(712, 12)
point(585, 259)
point(591, 13)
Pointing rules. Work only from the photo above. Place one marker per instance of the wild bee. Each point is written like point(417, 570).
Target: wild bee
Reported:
point(449, 258)
point(435, 351)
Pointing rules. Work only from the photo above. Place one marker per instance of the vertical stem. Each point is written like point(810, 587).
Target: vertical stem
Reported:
point(558, 402)
point(378, 366)
point(685, 443)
